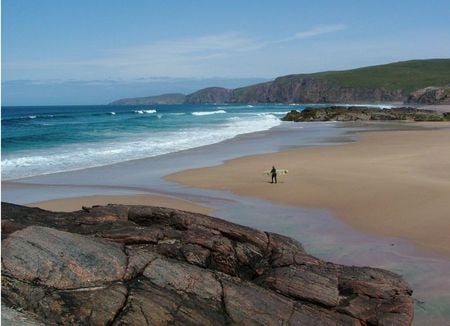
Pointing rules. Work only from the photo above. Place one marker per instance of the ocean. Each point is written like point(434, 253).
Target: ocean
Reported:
point(48, 139)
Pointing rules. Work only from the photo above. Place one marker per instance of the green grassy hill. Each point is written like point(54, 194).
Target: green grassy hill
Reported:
point(406, 75)
point(391, 82)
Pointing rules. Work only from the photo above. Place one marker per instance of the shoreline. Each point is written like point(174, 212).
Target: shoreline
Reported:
point(390, 183)
point(356, 172)
point(319, 230)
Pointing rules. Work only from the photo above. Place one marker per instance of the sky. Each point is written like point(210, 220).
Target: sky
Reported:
point(94, 51)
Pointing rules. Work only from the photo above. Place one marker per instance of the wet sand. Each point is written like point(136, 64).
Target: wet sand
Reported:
point(393, 183)
point(439, 108)
point(76, 203)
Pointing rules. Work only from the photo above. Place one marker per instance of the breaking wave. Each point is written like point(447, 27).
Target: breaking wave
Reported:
point(200, 113)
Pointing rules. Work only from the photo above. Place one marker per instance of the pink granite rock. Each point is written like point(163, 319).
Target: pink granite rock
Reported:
point(137, 265)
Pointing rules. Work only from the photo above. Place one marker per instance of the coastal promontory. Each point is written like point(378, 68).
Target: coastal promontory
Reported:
point(141, 265)
point(393, 82)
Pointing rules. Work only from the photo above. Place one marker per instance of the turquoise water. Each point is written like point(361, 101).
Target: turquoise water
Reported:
point(42, 140)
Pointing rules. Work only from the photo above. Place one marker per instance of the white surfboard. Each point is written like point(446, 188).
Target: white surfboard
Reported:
point(279, 171)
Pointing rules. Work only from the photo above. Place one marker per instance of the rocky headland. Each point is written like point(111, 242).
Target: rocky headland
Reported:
point(394, 82)
point(140, 265)
point(210, 95)
point(309, 89)
point(361, 113)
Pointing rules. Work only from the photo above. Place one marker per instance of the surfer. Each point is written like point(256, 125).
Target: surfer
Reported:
point(273, 172)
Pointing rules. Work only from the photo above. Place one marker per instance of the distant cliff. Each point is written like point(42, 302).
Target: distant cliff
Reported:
point(383, 83)
point(172, 98)
point(310, 90)
point(210, 95)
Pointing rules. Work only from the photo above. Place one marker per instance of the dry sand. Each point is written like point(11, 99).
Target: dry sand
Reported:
point(394, 183)
point(73, 204)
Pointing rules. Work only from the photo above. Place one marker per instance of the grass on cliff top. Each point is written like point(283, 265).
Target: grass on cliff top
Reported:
point(406, 75)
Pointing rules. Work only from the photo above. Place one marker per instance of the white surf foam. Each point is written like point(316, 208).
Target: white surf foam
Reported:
point(144, 111)
point(29, 117)
point(128, 147)
point(208, 112)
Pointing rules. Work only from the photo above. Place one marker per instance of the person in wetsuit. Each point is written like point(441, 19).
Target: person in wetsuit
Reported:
point(273, 172)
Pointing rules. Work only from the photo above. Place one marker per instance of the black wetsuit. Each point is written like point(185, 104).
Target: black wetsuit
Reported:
point(274, 174)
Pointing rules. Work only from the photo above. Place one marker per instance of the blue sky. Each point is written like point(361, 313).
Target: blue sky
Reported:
point(54, 51)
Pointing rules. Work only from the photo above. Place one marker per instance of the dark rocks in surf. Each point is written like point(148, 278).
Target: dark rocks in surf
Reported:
point(361, 113)
point(149, 265)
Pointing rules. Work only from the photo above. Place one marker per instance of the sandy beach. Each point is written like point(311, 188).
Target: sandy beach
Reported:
point(389, 189)
point(76, 203)
point(393, 183)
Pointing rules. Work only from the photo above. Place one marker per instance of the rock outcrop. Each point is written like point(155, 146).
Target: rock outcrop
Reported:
point(358, 113)
point(138, 265)
point(430, 95)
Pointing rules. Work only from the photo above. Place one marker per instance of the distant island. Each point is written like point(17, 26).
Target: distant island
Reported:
point(171, 98)
point(414, 82)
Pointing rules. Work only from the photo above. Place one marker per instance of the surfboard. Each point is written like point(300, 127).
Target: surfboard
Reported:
point(279, 171)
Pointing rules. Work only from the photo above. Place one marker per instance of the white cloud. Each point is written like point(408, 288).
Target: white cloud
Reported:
point(181, 57)
point(319, 31)
point(180, 51)
point(187, 54)
point(313, 32)
point(217, 54)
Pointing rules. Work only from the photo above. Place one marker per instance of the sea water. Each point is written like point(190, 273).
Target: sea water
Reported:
point(48, 139)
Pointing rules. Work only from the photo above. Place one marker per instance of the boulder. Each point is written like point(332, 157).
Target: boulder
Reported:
point(150, 265)
point(61, 260)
